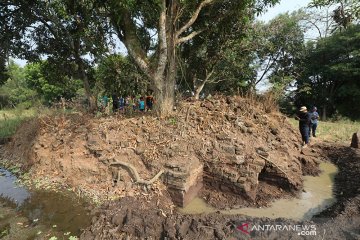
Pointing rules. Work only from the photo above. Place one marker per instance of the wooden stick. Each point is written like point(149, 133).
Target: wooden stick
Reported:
point(135, 173)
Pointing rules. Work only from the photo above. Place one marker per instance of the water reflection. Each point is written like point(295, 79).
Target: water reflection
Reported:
point(9, 190)
point(65, 212)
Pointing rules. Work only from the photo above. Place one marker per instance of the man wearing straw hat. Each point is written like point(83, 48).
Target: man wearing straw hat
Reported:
point(304, 125)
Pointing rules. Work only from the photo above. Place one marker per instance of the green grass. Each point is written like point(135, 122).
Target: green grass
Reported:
point(11, 119)
point(340, 131)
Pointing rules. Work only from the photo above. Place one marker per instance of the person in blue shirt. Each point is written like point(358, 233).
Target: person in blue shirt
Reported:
point(314, 115)
point(142, 104)
point(121, 103)
point(104, 101)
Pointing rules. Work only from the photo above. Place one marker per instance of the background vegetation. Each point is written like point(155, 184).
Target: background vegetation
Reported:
point(216, 47)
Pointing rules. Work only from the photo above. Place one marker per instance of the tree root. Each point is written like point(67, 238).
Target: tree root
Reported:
point(135, 174)
point(275, 165)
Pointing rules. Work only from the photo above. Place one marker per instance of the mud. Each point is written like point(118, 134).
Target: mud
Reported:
point(124, 218)
point(316, 196)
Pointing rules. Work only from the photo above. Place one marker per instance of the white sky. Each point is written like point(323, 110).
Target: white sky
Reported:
point(283, 7)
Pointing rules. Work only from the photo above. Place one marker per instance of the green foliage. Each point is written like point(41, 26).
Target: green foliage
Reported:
point(50, 83)
point(331, 79)
point(36, 83)
point(3, 70)
point(15, 90)
point(278, 47)
point(10, 120)
point(63, 31)
point(172, 121)
point(220, 58)
point(119, 74)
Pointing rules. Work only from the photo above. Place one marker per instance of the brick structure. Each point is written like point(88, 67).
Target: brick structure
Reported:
point(184, 179)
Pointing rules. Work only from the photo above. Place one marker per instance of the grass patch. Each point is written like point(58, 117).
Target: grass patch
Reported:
point(11, 119)
point(340, 131)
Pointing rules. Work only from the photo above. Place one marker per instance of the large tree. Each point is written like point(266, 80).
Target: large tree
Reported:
point(219, 59)
point(153, 30)
point(67, 33)
point(51, 83)
point(278, 48)
point(332, 73)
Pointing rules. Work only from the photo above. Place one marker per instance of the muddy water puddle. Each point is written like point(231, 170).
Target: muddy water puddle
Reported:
point(37, 214)
point(317, 196)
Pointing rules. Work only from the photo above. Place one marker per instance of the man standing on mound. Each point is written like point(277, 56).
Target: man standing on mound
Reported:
point(304, 125)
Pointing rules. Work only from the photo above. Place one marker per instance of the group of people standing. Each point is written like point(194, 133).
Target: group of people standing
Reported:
point(131, 103)
point(308, 122)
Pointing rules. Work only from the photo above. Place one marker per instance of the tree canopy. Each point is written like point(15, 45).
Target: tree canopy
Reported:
point(332, 73)
point(202, 45)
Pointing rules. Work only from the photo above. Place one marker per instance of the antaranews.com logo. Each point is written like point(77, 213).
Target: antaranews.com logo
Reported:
point(302, 230)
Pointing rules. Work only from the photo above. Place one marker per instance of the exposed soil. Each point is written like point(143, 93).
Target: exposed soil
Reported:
point(250, 155)
point(242, 147)
point(129, 217)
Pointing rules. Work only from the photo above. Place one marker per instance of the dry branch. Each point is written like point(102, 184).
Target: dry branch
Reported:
point(133, 170)
point(275, 165)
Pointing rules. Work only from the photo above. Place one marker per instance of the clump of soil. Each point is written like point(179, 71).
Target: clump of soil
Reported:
point(249, 156)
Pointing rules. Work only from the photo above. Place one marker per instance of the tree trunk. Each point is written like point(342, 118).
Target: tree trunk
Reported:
point(164, 96)
point(165, 86)
point(162, 74)
point(198, 90)
point(84, 78)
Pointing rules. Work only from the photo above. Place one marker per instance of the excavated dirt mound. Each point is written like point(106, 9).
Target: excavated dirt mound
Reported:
point(130, 218)
point(249, 156)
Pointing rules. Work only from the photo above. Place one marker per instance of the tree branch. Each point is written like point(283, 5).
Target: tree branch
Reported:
point(193, 17)
point(130, 39)
point(162, 42)
point(268, 66)
point(188, 37)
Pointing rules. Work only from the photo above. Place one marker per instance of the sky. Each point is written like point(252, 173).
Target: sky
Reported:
point(282, 7)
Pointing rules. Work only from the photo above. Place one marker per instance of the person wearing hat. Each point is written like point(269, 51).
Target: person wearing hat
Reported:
point(304, 119)
point(314, 115)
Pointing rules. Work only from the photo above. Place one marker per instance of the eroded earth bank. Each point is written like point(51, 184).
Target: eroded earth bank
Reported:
point(232, 152)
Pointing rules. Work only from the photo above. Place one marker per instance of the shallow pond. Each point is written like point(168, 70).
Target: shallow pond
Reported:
point(317, 196)
point(38, 214)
